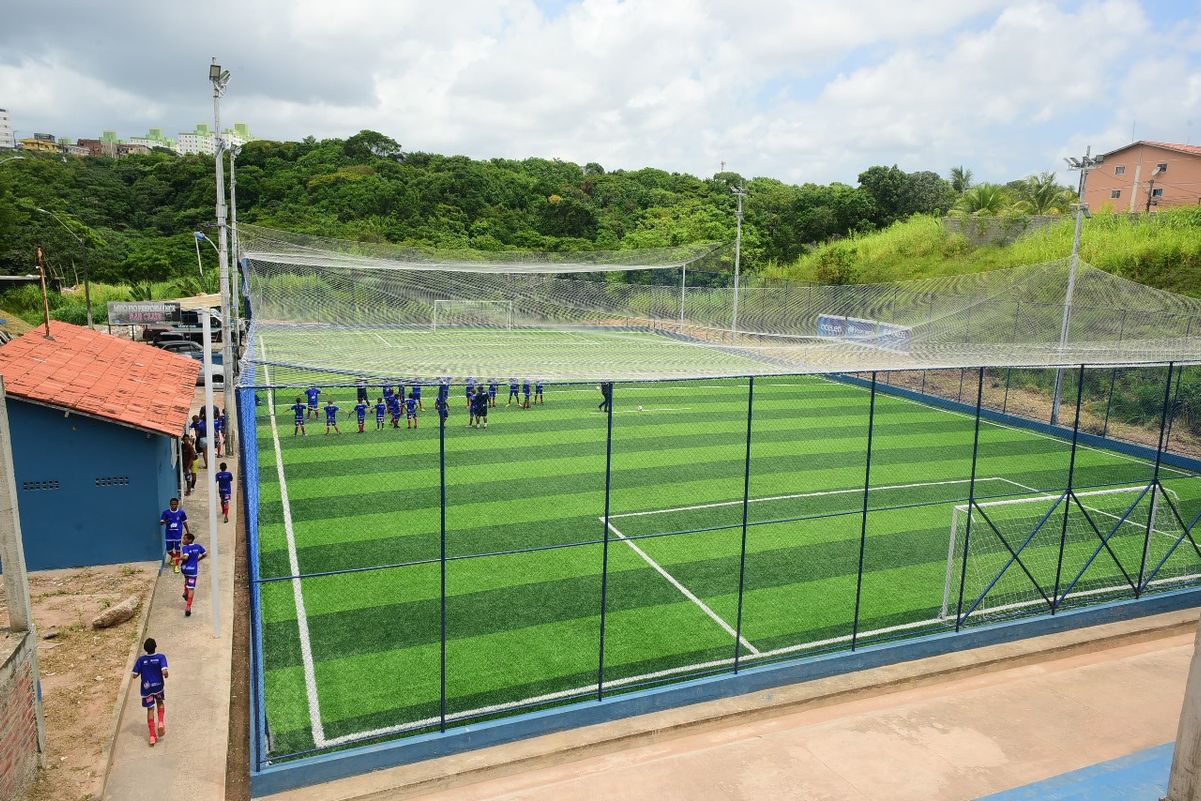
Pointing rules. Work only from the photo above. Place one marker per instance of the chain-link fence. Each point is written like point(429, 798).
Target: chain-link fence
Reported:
point(428, 556)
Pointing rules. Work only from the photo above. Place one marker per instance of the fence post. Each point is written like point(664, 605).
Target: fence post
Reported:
point(1113, 375)
point(600, 665)
point(1167, 440)
point(1159, 449)
point(971, 500)
point(442, 562)
point(867, 482)
point(1069, 494)
point(746, 496)
point(962, 371)
point(1017, 316)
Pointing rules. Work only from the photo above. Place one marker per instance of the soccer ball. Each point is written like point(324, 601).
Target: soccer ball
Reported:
point(640, 408)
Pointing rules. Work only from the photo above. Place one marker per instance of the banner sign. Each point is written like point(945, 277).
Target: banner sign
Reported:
point(865, 332)
point(141, 313)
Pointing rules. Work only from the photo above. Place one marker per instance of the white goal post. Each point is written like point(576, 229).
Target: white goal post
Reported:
point(1109, 504)
point(473, 313)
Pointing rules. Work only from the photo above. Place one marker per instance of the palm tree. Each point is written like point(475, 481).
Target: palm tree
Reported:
point(1039, 194)
point(985, 200)
point(961, 179)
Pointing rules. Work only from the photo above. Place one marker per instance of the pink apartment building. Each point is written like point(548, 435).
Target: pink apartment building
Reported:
point(1145, 176)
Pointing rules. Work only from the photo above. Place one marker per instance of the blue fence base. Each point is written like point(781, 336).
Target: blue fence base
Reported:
point(363, 759)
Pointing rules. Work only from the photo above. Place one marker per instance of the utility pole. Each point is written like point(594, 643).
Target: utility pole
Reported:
point(45, 297)
point(220, 80)
point(235, 293)
point(1083, 165)
point(87, 284)
point(739, 192)
point(1151, 188)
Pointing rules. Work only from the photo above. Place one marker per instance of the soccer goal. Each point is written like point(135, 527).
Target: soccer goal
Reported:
point(473, 314)
point(994, 582)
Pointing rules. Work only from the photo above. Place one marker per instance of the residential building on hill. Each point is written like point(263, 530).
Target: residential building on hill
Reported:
point(1145, 176)
point(7, 140)
point(202, 139)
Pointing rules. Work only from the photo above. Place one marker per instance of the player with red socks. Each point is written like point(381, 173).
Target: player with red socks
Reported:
point(151, 668)
point(191, 552)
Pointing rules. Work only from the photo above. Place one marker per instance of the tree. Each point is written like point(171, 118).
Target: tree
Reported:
point(886, 185)
point(985, 200)
point(961, 179)
point(368, 144)
point(926, 192)
point(1039, 194)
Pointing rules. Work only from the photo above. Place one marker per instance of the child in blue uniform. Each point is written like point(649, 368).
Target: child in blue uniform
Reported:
point(417, 394)
point(381, 409)
point(443, 408)
point(192, 552)
point(299, 408)
point(479, 408)
point(360, 410)
point(525, 390)
point(175, 524)
point(312, 393)
point(513, 392)
point(331, 417)
point(394, 410)
point(469, 390)
point(360, 385)
point(151, 670)
point(538, 392)
point(410, 411)
point(225, 487)
point(492, 391)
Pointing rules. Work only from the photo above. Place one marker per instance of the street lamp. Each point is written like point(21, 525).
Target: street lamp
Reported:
point(15, 157)
point(200, 237)
point(87, 284)
point(220, 80)
point(740, 193)
point(1083, 165)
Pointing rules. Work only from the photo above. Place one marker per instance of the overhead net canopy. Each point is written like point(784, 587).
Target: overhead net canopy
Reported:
point(352, 309)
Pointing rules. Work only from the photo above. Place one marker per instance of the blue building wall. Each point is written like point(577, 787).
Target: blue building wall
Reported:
point(89, 492)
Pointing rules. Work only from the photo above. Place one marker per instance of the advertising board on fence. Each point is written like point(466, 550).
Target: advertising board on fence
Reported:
point(866, 332)
point(141, 313)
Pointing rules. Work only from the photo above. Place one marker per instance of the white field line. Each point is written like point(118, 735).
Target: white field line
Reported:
point(1043, 496)
point(302, 620)
point(687, 593)
point(858, 490)
point(1032, 432)
point(381, 339)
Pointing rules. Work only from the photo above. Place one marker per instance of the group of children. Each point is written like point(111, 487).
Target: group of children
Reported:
point(479, 396)
point(184, 555)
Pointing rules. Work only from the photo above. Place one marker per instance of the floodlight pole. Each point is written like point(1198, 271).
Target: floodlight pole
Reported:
point(739, 192)
point(1083, 165)
point(220, 79)
point(235, 283)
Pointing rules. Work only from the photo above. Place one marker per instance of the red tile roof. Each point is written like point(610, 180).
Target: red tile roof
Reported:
point(103, 376)
point(1191, 150)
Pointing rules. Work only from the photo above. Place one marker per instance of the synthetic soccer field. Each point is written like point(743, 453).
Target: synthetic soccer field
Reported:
point(356, 654)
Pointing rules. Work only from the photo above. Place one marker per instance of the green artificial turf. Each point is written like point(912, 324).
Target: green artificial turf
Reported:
point(525, 627)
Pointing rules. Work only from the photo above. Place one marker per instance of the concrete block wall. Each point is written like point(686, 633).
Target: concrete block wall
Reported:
point(18, 717)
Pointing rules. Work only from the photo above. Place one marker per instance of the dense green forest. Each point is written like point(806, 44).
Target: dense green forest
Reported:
point(136, 215)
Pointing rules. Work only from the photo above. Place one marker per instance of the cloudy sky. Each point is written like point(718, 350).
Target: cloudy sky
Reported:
point(808, 90)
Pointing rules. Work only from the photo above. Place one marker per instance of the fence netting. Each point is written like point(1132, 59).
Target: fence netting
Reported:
point(487, 547)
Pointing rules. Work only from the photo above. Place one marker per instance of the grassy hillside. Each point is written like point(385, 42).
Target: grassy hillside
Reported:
point(1161, 250)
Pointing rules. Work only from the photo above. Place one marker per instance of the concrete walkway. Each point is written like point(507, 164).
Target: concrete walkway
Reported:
point(189, 762)
point(959, 736)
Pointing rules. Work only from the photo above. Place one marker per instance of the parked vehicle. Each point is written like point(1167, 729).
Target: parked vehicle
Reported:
point(194, 351)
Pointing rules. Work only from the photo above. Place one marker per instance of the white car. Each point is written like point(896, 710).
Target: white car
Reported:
point(196, 352)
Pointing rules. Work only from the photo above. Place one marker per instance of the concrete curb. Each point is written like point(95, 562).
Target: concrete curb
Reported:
point(119, 705)
point(519, 756)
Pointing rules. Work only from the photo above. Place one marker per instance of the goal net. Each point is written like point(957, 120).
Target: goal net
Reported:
point(1108, 538)
point(472, 314)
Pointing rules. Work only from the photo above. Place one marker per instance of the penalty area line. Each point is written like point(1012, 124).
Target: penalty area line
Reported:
point(687, 593)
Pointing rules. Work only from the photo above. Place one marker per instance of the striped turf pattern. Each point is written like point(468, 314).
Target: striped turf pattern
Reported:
point(523, 625)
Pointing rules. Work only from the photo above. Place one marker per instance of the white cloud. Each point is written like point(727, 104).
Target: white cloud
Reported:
point(813, 90)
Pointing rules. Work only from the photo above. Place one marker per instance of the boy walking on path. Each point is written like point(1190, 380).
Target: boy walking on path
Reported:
point(225, 486)
point(151, 669)
point(174, 521)
point(191, 553)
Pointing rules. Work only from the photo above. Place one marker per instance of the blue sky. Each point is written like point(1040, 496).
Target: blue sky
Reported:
point(809, 90)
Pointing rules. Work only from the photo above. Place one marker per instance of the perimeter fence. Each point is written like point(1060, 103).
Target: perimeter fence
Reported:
point(620, 537)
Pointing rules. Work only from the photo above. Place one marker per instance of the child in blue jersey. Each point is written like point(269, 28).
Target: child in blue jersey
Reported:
point(443, 408)
point(417, 394)
point(175, 524)
point(479, 407)
point(394, 408)
point(360, 386)
point(225, 487)
point(525, 390)
point(151, 670)
point(191, 552)
point(492, 385)
point(389, 391)
point(469, 390)
point(313, 393)
point(444, 387)
point(538, 392)
point(298, 408)
point(513, 392)
point(218, 437)
point(199, 426)
point(360, 411)
point(381, 409)
point(331, 417)
point(410, 411)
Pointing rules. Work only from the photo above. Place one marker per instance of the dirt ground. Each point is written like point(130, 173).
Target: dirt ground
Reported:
point(81, 669)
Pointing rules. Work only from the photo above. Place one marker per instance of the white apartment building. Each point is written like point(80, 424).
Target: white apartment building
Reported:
point(202, 139)
point(7, 140)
